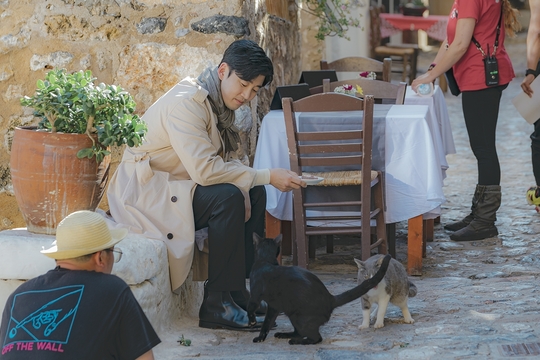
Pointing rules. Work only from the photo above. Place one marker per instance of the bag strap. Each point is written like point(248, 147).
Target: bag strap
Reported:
point(496, 44)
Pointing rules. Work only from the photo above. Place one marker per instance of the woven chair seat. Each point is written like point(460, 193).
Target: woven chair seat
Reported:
point(340, 178)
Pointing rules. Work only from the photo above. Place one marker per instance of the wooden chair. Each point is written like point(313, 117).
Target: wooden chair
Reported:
point(359, 64)
point(338, 149)
point(406, 54)
point(383, 92)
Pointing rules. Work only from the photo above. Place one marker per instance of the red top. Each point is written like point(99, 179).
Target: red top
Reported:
point(469, 70)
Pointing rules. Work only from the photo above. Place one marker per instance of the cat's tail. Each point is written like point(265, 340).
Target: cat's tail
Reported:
point(364, 287)
point(412, 289)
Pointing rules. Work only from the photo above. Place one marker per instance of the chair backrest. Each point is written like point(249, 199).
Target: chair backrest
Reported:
point(330, 148)
point(359, 64)
point(383, 92)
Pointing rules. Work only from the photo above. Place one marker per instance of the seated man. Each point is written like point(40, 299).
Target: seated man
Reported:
point(77, 310)
point(182, 179)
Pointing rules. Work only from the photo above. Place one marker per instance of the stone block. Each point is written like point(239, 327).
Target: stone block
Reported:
point(20, 257)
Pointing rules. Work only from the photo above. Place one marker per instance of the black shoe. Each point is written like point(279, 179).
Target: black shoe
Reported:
point(241, 298)
point(458, 225)
point(219, 311)
point(475, 231)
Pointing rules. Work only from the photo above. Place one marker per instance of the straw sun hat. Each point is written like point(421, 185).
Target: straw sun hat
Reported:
point(82, 233)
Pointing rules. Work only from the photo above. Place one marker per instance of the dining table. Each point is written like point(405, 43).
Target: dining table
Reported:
point(433, 25)
point(408, 147)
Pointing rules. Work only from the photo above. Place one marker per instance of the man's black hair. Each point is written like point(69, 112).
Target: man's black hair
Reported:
point(248, 60)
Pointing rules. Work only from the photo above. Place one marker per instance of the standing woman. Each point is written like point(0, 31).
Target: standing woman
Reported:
point(475, 34)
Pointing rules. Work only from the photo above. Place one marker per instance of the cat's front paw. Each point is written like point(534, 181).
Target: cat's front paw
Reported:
point(259, 338)
point(378, 325)
point(364, 326)
point(408, 321)
point(252, 319)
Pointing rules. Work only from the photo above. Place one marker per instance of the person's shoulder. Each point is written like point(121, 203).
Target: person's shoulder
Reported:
point(192, 89)
point(105, 280)
point(112, 279)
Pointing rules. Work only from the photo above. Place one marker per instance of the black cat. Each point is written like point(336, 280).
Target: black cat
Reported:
point(296, 292)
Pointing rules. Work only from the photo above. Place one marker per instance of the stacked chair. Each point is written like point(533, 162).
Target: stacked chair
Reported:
point(406, 54)
point(359, 64)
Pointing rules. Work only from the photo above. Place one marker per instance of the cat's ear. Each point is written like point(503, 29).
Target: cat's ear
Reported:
point(359, 263)
point(278, 239)
point(379, 262)
point(256, 239)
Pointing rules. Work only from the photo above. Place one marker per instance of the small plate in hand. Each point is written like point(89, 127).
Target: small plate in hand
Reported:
point(312, 180)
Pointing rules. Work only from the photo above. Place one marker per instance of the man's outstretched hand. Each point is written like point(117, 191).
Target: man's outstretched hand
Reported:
point(285, 180)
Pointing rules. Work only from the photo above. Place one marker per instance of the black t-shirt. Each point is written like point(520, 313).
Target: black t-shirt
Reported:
point(71, 314)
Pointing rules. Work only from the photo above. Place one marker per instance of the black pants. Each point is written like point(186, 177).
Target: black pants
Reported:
point(535, 146)
point(231, 253)
point(481, 111)
point(535, 151)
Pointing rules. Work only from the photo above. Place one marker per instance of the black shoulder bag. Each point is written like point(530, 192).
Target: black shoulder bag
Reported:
point(491, 67)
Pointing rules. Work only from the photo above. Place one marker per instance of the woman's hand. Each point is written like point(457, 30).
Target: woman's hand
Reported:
point(285, 180)
point(422, 79)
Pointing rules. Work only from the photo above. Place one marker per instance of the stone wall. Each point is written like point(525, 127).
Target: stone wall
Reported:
point(145, 46)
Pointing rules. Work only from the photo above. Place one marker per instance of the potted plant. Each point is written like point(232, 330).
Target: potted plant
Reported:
point(413, 8)
point(61, 165)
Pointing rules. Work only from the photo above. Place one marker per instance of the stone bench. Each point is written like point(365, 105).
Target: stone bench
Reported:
point(144, 266)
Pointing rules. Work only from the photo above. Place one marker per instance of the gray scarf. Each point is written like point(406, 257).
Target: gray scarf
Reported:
point(210, 81)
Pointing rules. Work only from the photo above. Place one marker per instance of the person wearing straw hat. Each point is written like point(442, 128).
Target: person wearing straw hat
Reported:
point(78, 310)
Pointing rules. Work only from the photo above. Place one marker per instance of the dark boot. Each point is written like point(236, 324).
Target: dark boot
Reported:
point(467, 219)
point(485, 215)
point(241, 298)
point(219, 311)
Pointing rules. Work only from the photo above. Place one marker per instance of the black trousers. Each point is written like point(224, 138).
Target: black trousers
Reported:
point(231, 252)
point(535, 146)
point(535, 151)
point(481, 111)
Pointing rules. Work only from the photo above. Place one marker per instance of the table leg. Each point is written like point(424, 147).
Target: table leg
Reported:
point(391, 238)
point(273, 228)
point(286, 243)
point(414, 245)
point(427, 235)
point(442, 83)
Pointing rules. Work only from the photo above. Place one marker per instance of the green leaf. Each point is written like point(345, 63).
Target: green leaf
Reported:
point(88, 152)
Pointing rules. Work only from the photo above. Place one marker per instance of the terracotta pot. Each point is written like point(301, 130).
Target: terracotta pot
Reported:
point(48, 179)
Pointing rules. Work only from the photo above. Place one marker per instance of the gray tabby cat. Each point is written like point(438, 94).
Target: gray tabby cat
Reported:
point(395, 288)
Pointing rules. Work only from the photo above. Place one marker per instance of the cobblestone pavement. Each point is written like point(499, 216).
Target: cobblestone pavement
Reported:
point(474, 298)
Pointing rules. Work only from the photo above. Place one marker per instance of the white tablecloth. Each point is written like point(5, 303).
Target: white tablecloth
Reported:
point(412, 160)
point(439, 114)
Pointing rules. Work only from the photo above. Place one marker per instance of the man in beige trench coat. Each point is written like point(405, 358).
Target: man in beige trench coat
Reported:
point(180, 181)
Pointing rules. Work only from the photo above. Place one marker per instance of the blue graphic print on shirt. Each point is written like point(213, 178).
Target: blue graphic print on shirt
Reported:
point(47, 322)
